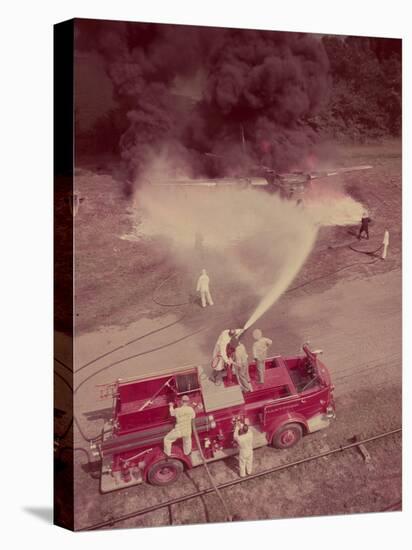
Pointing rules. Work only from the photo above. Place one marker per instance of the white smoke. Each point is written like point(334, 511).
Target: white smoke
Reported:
point(250, 236)
point(292, 263)
point(335, 208)
point(323, 209)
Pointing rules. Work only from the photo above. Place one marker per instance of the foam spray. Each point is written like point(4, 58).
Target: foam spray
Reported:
point(292, 264)
point(327, 207)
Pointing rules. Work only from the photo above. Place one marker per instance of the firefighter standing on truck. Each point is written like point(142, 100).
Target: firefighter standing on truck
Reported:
point(260, 353)
point(221, 359)
point(183, 428)
point(244, 438)
point(242, 367)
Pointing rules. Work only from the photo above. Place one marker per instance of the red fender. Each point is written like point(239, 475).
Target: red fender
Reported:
point(157, 455)
point(287, 418)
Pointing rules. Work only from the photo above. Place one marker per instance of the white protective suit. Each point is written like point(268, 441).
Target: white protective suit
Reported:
point(220, 350)
point(242, 368)
point(245, 443)
point(203, 288)
point(385, 243)
point(183, 428)
point(260, 353)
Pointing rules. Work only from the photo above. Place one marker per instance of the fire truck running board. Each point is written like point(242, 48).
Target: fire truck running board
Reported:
point(217, 397)
point(218, 455)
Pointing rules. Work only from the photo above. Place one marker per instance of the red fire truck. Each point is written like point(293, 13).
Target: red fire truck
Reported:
point(296, 399)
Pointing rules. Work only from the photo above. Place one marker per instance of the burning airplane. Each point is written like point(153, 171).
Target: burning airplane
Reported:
point(287, 185)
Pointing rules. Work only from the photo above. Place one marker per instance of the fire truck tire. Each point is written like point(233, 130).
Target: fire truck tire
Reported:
point(165, 472)
point(287, 436)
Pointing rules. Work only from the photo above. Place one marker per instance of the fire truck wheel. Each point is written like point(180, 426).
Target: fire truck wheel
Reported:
point(165, 472)
point(287, 436)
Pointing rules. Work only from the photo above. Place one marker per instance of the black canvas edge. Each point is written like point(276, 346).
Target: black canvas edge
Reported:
point(63, 169)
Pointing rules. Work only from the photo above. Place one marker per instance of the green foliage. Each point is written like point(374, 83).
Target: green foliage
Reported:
point(366, 96)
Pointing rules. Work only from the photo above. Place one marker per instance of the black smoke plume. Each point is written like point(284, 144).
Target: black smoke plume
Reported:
point(212, 101)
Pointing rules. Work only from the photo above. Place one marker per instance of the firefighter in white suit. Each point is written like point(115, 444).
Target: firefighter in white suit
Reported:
point(260, 353)
point(244, 438)
point(385, 243)
point(203, 288)
point(183, 428)
point(220, 358)
point(242, 367)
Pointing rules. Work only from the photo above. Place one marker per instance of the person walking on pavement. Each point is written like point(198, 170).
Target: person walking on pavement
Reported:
point(364, 228)
point(184, 415)
point(385, 243)
point(260, 348)
point(203, 288)
point(244, 438)
point(242, 368)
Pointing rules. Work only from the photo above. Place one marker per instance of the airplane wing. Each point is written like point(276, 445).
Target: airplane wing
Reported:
point(337, 171)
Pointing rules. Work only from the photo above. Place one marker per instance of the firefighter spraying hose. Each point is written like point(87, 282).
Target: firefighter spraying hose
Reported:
point(224, 355)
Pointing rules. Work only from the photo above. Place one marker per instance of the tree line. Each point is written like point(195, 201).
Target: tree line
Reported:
point(366, 88)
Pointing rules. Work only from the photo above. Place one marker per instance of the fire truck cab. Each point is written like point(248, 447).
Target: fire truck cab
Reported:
point(296, 399)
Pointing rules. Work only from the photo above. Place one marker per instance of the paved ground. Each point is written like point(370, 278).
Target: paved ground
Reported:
point(347, 303)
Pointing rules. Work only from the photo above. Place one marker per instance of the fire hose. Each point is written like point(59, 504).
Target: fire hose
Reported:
point(367, 252)
point(128, 343)
point(229, 516)
point(156, 301)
